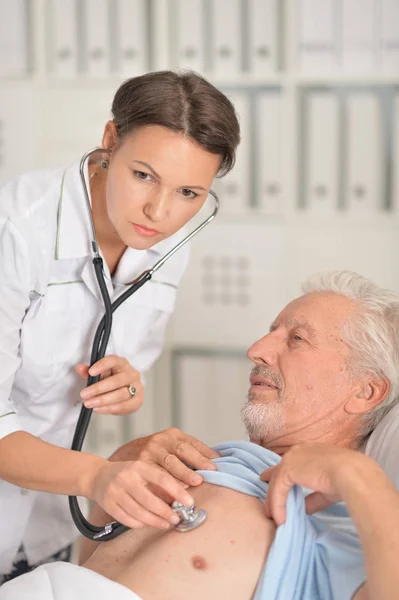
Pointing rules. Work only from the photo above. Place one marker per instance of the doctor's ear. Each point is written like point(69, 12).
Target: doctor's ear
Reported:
point(371, 393)
point(110, 135)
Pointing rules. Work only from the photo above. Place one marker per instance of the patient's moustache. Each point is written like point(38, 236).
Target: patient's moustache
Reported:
point(189, 518)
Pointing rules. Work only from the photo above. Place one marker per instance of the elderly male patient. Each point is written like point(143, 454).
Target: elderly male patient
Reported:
point(328, 372)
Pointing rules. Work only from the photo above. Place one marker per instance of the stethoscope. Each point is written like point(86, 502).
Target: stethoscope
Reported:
point(190, 517)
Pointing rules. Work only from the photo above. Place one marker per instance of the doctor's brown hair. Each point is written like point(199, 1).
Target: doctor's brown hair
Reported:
point(183, 102)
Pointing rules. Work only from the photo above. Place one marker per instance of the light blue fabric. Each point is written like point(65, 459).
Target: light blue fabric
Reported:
point(312, 557)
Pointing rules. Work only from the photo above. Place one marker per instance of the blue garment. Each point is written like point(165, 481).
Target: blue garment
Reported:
point(312, 557)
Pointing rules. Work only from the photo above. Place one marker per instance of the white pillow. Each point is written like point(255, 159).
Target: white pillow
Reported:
point(383, 444)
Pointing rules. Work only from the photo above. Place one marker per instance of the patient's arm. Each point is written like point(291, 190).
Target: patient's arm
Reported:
point(373, 503)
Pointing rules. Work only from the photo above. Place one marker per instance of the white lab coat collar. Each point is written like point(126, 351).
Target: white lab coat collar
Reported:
point(73, 222)
point(74, 234)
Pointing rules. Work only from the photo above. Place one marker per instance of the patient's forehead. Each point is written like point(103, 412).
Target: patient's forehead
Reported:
point(319, 312)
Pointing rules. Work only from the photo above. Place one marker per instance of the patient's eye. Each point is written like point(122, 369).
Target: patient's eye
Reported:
point(297, 337)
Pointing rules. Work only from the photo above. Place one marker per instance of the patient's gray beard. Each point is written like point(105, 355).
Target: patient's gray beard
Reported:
point(263, 421)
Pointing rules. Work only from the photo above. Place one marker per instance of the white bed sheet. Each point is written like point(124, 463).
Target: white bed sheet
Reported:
point(64, 581)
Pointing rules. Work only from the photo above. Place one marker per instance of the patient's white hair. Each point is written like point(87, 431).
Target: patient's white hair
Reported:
point(372, 333)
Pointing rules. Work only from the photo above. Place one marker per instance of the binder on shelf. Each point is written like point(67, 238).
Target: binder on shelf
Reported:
point(63, 38)
point(262, 38)
point(235, 188)
point(131, 37)
point(268, 160)
point(364, 160)
point(190, 36)
point(97, 38)
point(14, 32)
point(317, 36)
point(226, 42)
point(203, 413)
point(395, 157)
point(359, 48)
point(321, 154)
point(390, 36)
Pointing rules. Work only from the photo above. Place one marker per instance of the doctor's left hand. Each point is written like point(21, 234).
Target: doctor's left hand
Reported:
point(111, 394)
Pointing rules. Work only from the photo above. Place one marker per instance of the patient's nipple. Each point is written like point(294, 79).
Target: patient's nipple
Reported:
point(198, 562)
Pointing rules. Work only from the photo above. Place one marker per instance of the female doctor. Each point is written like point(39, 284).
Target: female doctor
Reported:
point(170, 135)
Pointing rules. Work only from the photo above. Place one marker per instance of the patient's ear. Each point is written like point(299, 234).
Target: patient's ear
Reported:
point(371, 392)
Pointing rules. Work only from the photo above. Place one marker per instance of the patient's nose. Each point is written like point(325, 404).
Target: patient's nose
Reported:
point(264, 351)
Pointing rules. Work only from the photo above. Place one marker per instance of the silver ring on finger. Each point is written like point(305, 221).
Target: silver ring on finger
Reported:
point(132, 390)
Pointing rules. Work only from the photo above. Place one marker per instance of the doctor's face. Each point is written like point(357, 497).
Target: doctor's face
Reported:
point(157, 180)
point(301, 380)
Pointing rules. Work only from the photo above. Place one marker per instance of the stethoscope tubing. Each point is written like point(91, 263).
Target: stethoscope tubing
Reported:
point(99, 347)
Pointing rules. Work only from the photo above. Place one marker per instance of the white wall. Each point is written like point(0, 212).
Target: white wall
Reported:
point(316, 185)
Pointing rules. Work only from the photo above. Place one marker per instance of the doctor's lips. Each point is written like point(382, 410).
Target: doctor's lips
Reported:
point(145, 231)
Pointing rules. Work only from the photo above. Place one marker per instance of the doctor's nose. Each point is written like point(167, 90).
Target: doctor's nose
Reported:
point(264, 351)
point(157, 208)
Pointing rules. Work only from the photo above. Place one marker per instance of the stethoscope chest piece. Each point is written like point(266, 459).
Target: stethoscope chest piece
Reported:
point(190, 518)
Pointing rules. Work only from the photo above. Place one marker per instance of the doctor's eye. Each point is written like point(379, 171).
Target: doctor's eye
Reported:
point(187, 193)
point(142, 175)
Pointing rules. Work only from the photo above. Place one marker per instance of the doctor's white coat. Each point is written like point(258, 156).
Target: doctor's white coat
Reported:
point(50, 306)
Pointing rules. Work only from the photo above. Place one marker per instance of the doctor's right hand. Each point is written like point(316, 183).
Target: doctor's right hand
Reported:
point(127, 492)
